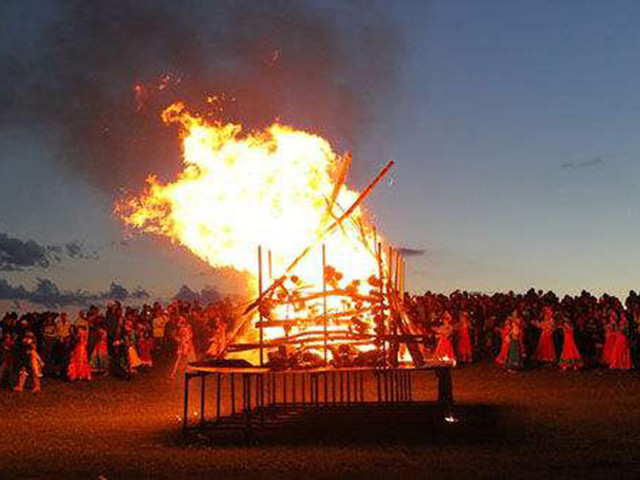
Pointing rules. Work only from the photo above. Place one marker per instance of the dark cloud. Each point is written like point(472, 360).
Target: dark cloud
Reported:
point(9, 292)
point(117, 292)
point(591, 162)
point(80, 251)
point(140, 294)
point(186, 294)
point(16, 254)
point(206, 295)
point(329, 67)
point(48, 294)
point(411, 252)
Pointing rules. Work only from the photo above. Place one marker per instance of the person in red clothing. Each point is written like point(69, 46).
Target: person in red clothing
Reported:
point(144, 344)
point(185, 351)
point(545, 350)
point(444, 349)
point(610, 337)
point(79, 368)
point(570, 358)
point(505, 333)
point(621, 354)
point(465, 349)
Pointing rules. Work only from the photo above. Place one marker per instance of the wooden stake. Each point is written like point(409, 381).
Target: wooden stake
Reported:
point(324, 304)
point(259, 309)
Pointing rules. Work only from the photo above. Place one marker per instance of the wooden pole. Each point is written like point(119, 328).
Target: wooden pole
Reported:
point(381, 273)
point(260, 309)
point(398, 271)
point(270, 267)
point(337, 186)
point(404, 266)
point(392, 288)
point(390, 284)
point(324, 304)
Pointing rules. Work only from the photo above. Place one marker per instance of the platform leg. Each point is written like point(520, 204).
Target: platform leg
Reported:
point(203, 386)
point(445, 387)
point(185, 416)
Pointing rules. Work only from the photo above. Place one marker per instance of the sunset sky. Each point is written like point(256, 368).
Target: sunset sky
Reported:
point(513, 126)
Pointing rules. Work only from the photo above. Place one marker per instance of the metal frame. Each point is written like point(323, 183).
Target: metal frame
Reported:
point(265, 393)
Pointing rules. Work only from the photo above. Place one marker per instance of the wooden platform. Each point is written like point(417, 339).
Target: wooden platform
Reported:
point(260, 397)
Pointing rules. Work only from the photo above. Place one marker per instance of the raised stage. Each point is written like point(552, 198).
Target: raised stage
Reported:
point(249, 398)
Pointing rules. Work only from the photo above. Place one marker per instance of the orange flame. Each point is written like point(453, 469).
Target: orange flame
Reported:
point(240, 190)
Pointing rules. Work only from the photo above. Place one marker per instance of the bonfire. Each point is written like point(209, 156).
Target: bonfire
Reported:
point(276, 203)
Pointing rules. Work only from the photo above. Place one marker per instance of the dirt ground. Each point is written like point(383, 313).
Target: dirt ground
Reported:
point(537, 424)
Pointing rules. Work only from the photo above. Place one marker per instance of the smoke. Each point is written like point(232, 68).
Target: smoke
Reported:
point(325, 67)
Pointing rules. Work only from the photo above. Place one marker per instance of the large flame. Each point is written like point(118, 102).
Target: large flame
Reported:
point(270, 188)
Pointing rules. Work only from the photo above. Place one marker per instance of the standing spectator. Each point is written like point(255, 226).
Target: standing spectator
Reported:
point(79, 368)
point(621, 354)
point(610, 337)
point(9, 361)
point(570, 357)
point(159, 324)
point(444, 348)
point(62, 346)
point(49, 341)
point(465, 349)
point(515, 354)
point(144, 344)
point(29, 363)
point(100, 354)
point(505, 333)
point(545, 350)
point(185, 351)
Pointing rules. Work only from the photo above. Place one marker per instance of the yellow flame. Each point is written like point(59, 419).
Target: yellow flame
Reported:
point(240, 190)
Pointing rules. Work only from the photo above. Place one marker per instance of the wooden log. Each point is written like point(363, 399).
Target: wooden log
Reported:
point(327, 294)
point(406, 328)
point(337, 186)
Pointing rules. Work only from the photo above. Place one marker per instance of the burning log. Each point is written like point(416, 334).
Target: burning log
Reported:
point(342, 177)
point(335, 317)
point(330, 293)
point(319, 238)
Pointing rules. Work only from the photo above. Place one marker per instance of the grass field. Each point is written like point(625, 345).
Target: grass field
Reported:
point(537, 424)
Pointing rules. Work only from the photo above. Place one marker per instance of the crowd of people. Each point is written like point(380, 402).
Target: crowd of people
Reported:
point(517, 330)
point(532, 329)
point(119, 341)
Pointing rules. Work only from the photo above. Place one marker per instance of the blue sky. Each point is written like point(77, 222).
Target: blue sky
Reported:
point(514, 128)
